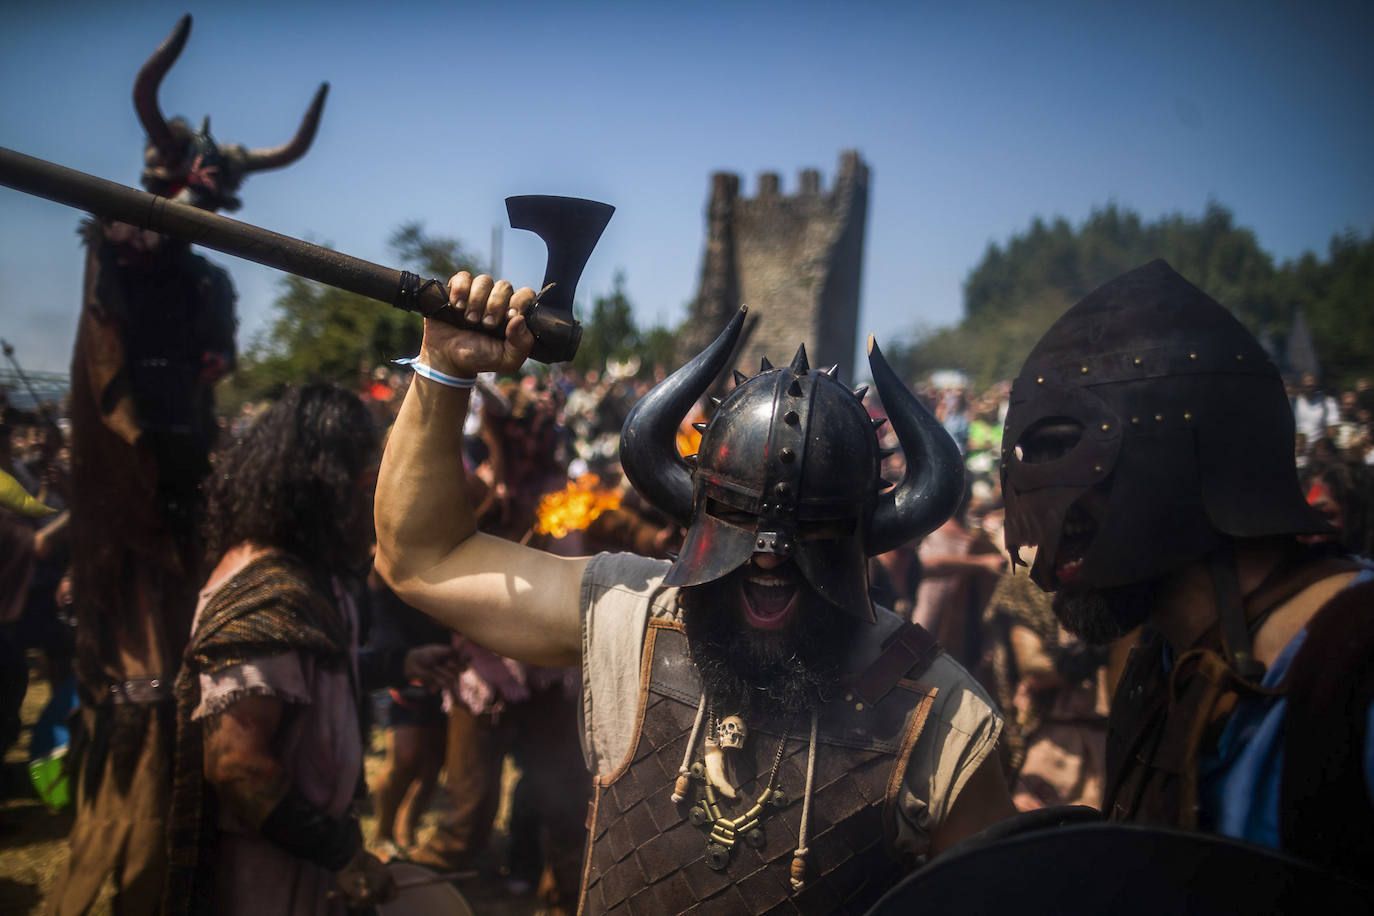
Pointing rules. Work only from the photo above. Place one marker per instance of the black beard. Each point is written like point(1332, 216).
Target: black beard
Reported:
point(1099, 616)
point(777, 673)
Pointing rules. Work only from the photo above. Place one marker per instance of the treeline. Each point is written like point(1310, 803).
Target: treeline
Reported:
point(1016, 291)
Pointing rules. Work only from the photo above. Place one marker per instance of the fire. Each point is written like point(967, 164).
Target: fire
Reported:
point(575, 506)
point(688, 439)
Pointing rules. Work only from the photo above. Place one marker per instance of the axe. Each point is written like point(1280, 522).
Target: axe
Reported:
point(569, 226)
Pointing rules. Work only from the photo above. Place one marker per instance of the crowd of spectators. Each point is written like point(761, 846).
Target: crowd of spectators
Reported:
point(550, 440)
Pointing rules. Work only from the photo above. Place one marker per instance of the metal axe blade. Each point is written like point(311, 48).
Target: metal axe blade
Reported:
point(570, 228)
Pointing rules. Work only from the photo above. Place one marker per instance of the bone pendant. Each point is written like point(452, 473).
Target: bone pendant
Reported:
point(732, 733)
point(715, 770)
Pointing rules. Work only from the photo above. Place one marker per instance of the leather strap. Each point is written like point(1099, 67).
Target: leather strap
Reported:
point(906, 653)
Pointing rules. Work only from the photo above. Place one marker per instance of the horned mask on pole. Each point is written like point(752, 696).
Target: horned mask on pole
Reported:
point(188, 165)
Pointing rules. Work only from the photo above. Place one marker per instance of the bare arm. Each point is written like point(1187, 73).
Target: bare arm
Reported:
point(239, 762)
point(513, 600)
point(1032, 661)
point(251, 781)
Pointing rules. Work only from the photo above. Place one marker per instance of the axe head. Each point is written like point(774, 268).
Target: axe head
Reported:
point(570, 228)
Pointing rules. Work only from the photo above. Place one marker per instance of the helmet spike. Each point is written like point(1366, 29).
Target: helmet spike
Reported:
point(795, 389)
point(765, 365)
point(715, 401)
point(740, 377)
point(833, 371)
point(860, 392)
point(690, 459)
point(799, 363)
point(878, 422)
point(699, 427)
point(888, 452)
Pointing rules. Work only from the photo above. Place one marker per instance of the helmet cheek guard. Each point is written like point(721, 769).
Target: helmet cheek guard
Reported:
point(789, 465)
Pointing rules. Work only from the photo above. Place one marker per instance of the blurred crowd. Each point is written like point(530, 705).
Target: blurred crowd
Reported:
point(542, 452)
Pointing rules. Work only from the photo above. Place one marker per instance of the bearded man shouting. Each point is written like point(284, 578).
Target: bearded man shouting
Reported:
point(758, 732)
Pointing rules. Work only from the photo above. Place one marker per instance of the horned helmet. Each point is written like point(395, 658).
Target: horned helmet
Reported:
point(789, 465)
point(1151, 396)
point(188, 165)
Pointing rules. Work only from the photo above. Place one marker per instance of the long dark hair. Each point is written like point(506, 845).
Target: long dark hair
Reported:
point(292, 481)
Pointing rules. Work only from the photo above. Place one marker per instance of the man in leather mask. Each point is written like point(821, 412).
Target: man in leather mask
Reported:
point(1148, 456)
point(737, 763)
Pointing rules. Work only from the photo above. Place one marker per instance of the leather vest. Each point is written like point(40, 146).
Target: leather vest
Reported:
point(646, 856)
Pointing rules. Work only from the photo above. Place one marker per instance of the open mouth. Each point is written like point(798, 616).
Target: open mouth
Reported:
point(1074, 540)
point(769, 599)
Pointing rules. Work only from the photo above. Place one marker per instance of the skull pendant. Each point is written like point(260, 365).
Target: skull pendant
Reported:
point(731, 733)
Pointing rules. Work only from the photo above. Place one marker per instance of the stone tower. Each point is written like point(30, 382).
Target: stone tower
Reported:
point(794, 260)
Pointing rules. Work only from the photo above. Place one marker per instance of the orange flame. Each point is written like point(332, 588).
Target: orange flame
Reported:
point(575, 506)
point(688, 439)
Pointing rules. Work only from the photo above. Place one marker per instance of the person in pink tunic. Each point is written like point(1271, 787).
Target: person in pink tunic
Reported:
point(269, 749)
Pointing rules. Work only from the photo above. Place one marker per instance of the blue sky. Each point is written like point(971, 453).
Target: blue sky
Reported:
point(974, 118)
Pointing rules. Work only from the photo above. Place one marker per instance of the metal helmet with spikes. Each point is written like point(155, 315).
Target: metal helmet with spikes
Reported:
point(188, 165)
point(789, 465)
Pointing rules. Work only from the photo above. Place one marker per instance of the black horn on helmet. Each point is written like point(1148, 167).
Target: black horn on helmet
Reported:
point(789, 465)
point(648, 440)
point(189, 165)
point(1170, 414)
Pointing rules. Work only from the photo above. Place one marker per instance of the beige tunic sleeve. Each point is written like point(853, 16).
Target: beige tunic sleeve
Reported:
point(960, 732)
point(620, 591)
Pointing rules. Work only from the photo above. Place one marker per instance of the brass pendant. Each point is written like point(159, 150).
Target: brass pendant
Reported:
point(724, 831)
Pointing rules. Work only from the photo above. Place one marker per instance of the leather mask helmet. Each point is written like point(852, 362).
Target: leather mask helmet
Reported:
point(1150, 399)
point(789, 465)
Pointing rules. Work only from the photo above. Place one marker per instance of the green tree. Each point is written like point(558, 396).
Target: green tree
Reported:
point(1335, 296)
point(1016, 291)
point(320, 333)
point(609, 332)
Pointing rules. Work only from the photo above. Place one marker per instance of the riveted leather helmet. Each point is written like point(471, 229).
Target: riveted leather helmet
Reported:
point(1180, 420)
point(789, 465)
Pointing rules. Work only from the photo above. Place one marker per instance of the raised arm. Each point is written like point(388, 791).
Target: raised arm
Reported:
point(513, 600)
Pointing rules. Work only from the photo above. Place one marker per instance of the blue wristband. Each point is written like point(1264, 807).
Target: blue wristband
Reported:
point(434, 375)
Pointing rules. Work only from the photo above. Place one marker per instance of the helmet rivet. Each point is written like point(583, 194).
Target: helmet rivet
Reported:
point(761, 542)
point(1188, 416)
point(782, 490)
point(1159, 418)
point(1040, 380)
point(1097, 469)
point(1136, 361)
point(1240, 356)
point(787, 456)
point(791, 418)
point(1083, 369)
point(1135, 420)
point(1192, 356)
point(1106, 426)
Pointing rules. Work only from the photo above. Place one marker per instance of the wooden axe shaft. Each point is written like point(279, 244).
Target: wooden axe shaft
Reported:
point(556, 335)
